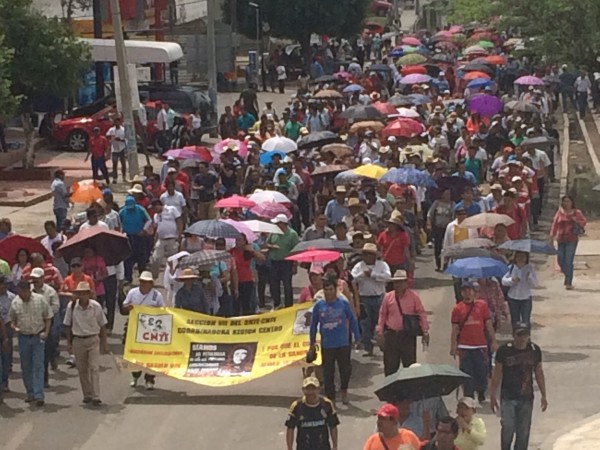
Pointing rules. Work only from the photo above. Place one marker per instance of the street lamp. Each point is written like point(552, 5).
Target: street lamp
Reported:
point(256, 7)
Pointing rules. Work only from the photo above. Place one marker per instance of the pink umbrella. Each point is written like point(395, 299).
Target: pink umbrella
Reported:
point(221, 146)
point(409, 40)
point(242, 228)
point(529, 80)
point(415, 78)
point(343, 74)
point(182, 153)
point(315, 256)
point(270, 210)
point(235, 201)
point(455, 29)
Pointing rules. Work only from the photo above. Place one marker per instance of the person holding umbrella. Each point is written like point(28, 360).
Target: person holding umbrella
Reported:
point(280, 246)
point(520, 279)
point(399, 343)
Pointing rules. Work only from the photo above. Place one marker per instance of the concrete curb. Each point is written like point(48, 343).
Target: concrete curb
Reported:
point(552, 441)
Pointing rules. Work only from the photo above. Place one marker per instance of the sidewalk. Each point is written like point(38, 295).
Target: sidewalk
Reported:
point(584, 437)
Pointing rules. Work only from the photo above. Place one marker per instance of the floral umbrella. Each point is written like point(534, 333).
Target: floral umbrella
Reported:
point(411, 59)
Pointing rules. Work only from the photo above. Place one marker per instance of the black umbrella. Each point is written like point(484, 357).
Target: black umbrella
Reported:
point(326, 79)
point(322, 244)
point(517, 105)
point(379, 68)
point(317, 139)
point(539, 141)
point(400, 100)
point(479, 68)
point(421, 381)
point(432, 70)
point(455, 183)
point(361, 112)
point(442, 58)
point(213, 229)
point(203, 258)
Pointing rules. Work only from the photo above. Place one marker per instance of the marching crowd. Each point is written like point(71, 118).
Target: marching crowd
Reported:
point(365, 164)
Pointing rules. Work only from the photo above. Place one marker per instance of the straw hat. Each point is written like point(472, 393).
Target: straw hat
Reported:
point(136, 189)
point(83, 286)
point(187, 274)
point(353, 201)
point(399, 275)
point(369, 248)
point(396, 218)
point(146, 276)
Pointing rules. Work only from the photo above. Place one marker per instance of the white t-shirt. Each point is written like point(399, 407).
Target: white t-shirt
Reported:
point(115, 145)
point(177, 200)
point(540, 161)
point(166, 222)
point(48, 241)
point(481, 155)
point(161, 120)
point(196, 121)
point(152, 298)
point(281, 75)
point(87, 225)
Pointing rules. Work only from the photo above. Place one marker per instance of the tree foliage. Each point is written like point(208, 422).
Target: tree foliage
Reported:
point(8, 102)
point(70, 6)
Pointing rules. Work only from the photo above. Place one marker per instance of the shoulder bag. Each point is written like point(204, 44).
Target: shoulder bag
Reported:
point(411, 323)
point(385, 446)
point(464, 321)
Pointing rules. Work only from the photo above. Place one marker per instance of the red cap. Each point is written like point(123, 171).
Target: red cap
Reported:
point(388, 410)
point(507, 149)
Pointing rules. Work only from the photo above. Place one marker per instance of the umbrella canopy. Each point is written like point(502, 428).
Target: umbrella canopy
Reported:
point(328, 93)
point(419, 99)
point(408, 113)
point(446, 46)
point(413, 177)
point(270, 210)
point(343, 75)
point(421, 381)
point(203, 258)
point(479, 67)
point(529, 246)
point(258, 226)
point(442, 59)
point(472, 243)
point(441, 35)
point(362, 112)
point(520, 106)
point(85, 193)
point(339, 150)
point(455, 29)
point(410, 40)
point(539, 142)
point(317, 139)
point(367, 125)
point(230, 143)
point(279, 143)
point(485, 105)
point(322, 244)
point(403, 128)
point(327, 170)
point(529, 80)
point(325, 79)
point(268, 196)
point(472, 252)
point(485, 44)
point(477, 267)
point(468, 76)
point(407, 49)
point(411, 59)
point(242, 228)
point(346, 177)
point(213, 229)
point(478, 83)
point(111, 245)
point(400, 100)
point(370, 171)
point(486, 220)
point(456, 185)
point(497, 60)
point(10, 245)
point(266, 158)
point(415, 78)
point(396, 52)
point(385, 108)
point(235, 201)
point(314, 256)
point(352, 88)
point(475, 50)
point(182, 153)
point(408, 70)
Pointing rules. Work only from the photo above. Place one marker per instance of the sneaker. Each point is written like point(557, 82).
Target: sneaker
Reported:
point(29, 400)
point(54, 364)
point(87, 400)
point(345, 399)
point(96, 402)
point(39, 403)
point(481, 397)
point(134, 382)
point(149, 385)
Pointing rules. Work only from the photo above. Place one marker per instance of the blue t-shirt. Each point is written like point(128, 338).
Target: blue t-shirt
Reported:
point(331, 320)
point(133, 219)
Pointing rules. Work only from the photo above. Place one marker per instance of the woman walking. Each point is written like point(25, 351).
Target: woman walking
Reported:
point(520, 278)
point(568, 224)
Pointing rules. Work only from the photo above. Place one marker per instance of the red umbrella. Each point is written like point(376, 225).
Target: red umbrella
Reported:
point(406, 128)
point(410, 40)
point(408, 70)
point(270, 210)
point(385, 108)
point(10, 245)
point(235, 201)
point(446, 46)
point(111, 245)
point(476, 74)
point(201, 151)
point(497, 60)
point(315, 256)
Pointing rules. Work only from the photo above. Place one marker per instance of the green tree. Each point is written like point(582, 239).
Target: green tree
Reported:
point(298, 19)
point(48, 60)
point(8, 102)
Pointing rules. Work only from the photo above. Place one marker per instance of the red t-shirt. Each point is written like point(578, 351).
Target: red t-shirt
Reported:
point(392, 248)
point(518, 215)
point(472, 334)
point(98, 146)
point(242, 265)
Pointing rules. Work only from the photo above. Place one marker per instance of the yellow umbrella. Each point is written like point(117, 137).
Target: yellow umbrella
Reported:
point(370, 171)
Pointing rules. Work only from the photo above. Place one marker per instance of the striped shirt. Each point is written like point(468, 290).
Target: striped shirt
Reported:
point(30, 316)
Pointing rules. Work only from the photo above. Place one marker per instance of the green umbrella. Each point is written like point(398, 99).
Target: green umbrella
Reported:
point(413, 58)
point(421, 381)
point(485, 44)
point(408, 49)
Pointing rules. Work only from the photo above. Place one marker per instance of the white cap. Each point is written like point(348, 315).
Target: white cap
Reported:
point(38, 272)
point(391, 139)
point(287, 159)
point(442, 73)
point(516, 178)
point(280, 218)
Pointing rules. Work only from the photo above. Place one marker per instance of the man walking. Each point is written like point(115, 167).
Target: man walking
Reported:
point(470, 321)
point(389, 435)
point(6, 298)
point(334, 319)
point(31, 316)
point(168, 226)
point(86, 337)
point(60, 198)
point(315, 418)
point(98, 149)
point(280, 246)
point(133, 220)
point(516, 363)
point(583, 86)
point(116, 135)
point(370, 275)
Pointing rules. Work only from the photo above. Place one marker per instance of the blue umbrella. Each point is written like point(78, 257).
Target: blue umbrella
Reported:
point(213, 229)
point(529, 246)
point(396, 53)
point(477, 267)
point(345, 177)
point(419, 99)
point(266, 158)
point(352, 88)
point(479, 83)
point(408, 176)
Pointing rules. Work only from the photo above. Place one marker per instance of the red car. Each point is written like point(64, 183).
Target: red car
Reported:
point(74, 132)
point(380, 7)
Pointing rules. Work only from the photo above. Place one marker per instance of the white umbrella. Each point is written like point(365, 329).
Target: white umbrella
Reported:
point(258, 226)
point(280, 143)
point(408, 113)
point(268, 197)
point(486, 220)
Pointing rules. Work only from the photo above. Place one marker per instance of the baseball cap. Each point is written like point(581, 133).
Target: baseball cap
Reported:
point(459, 208)
point(388, 410)
point(280, 218)
point(311, 381)
point(76, 262)
point(391, 139)
point(172, 170)
point(38, 272)
point(467, 284)
point(520, 328)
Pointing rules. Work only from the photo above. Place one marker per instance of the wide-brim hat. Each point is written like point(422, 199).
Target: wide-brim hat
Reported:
point(399, 275)
point(369, 248)
point(136, 189)
point(83, 286)
point(187, 274)
point(146, 276)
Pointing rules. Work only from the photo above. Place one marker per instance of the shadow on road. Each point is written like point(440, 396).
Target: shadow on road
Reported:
point(164, 397)
point(431, 282)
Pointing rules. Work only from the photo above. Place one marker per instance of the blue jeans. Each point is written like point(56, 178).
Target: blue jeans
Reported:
point(520, 310)
point(6, 358)
point(139, 255)
point(369, 313)
point(31, 352)
point(515, 419)
point(52, 341)
point(566, 255)
point(60, 214)
point(473, 362)
point(99, 165)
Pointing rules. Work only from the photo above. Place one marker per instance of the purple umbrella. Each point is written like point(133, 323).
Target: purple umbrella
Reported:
point(181, 153)
point(415, 78)
point(530, 80)
point(485, 105)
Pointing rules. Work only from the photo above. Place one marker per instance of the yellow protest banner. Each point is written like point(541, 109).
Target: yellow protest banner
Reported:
point(215, 351)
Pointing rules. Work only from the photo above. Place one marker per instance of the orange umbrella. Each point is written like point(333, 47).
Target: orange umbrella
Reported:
point(407, 70)
point(475, 74)
point(85, 193)
point(497, 60)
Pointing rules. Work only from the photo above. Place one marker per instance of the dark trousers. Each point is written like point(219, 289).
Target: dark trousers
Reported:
point(568, 97)
point(437, 234)
point(520, 310)
point(60, 214)
point(330, 356)
point(116, 158)
point(582, 103)
point(6, 357)
point(369, 306)
point(398, 347)
point(139, 255)
point(110, 298)
point(473, 362)
point(281, 272)
point(281, 84)
point(243, 304)
point(226, 306)
point(99, 165)
point(304, 207)
point(263, 279)
point(51, 347)
point(147, 376)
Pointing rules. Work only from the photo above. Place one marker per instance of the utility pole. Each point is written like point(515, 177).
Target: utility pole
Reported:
point(125, 87)
point(97, 11)
point(211, 54)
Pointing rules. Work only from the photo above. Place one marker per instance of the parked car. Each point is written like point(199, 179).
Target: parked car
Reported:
point(380, 7)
